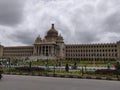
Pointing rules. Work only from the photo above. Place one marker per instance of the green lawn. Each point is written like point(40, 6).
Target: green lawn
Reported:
point(63, 62)
point(71, 63)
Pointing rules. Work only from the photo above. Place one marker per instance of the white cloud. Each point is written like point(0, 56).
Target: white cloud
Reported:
point(85, 21)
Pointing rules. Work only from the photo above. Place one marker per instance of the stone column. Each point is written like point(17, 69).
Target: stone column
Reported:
point(34, 52)
point(41, 50)
point(44, 50)
point(52, 50)
point(48, 50)
point(38, 50)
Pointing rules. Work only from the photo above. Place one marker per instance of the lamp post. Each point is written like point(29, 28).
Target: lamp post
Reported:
point(82, 71)
point(9, 64)
point(46, 65)
point(94, 60)
point(54, 70)
point(30, 63)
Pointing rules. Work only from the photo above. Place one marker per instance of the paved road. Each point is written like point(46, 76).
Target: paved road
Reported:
point(14, 82)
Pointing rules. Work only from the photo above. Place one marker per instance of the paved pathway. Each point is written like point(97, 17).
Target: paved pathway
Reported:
point(15, 82)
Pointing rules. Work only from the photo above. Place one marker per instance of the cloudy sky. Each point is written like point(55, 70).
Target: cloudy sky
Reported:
point(79, 21)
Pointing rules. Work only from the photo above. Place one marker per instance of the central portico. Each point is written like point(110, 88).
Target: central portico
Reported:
point(51, 47)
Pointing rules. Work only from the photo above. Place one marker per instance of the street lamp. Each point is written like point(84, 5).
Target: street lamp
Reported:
point(9, 64)
point(93, 59)
point(30, 63)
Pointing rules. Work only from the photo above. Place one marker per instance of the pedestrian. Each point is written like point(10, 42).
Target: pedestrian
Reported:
point(67, 67)
point(1, 71)
point(108, 66)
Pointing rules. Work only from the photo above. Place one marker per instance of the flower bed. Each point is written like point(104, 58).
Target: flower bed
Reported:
point(105, 71)
point(25, 68)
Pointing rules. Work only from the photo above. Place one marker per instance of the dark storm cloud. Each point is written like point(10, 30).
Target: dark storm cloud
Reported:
point(25, 37)
point(112, 22)
point(11, 12)
point(87, 37)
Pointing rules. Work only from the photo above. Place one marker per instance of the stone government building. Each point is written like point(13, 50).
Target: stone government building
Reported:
point(53, 47)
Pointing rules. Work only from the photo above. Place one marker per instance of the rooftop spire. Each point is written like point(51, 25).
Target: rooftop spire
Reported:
point(52, 26)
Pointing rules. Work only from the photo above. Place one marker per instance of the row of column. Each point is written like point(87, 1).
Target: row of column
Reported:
point(45, 50)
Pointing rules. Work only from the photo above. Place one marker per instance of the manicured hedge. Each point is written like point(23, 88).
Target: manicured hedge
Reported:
point(106, 71)
point(26, 68)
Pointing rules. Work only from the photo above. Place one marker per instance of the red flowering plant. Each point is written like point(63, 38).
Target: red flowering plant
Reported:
point(105, 71)
point(26, 68)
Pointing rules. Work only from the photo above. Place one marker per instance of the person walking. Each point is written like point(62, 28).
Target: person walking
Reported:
point(67, 67)
point(1, 71)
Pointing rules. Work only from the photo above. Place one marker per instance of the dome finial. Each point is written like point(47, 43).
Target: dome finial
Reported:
point(52, 26)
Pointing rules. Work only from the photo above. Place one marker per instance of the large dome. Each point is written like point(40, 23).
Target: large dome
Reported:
point(52, 32)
